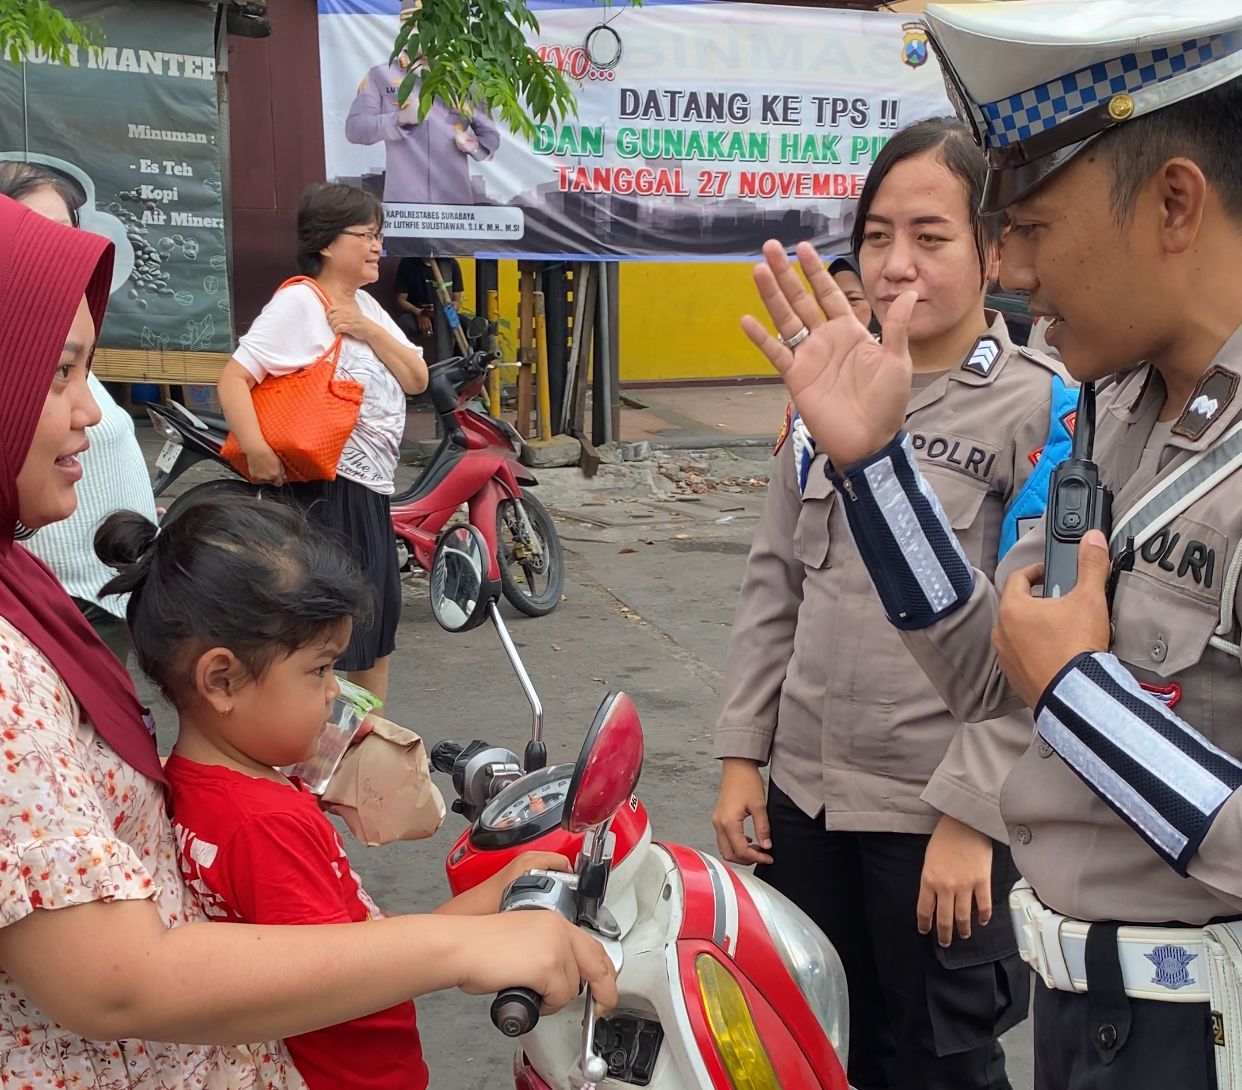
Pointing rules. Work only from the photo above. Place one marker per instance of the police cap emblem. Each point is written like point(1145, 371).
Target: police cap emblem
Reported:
point(914, 47)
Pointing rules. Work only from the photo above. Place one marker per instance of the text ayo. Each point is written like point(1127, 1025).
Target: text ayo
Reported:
point(977, 461)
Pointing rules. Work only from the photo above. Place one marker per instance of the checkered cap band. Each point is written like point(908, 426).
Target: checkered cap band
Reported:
point(1041, 108)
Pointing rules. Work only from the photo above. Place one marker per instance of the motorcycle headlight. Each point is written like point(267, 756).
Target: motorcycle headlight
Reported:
point(810, 959)
point(745, 1059)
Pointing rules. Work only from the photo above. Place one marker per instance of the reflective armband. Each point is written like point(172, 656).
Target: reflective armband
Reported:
point(903, 535)
point(1160, 775)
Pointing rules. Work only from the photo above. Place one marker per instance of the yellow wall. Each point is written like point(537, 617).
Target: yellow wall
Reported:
point(678, 321)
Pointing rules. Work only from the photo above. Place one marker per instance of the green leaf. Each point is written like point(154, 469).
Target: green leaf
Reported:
point(476, 55)
point(36, 25)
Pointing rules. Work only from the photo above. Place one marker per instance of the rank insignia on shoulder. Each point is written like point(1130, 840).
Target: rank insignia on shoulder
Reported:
point(783, 434)
point(1215, 391)
point(984, 356)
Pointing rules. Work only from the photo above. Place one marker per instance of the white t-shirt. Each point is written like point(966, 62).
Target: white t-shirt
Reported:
point(292, 332)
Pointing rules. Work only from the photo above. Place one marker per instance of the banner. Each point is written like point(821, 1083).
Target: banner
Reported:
point(134, 129)
point(703, 128)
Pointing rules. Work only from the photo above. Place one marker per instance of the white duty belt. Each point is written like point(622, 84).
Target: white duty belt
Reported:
point(1163, 963)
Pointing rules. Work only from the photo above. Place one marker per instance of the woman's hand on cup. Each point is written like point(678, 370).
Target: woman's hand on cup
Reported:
point(265, 466)
point(851, 390)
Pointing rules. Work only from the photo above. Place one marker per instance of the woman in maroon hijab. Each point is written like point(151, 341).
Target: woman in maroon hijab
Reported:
point(107, 977)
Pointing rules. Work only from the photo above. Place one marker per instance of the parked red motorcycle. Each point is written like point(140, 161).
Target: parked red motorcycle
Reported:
point(475, 465)
point(723, 984)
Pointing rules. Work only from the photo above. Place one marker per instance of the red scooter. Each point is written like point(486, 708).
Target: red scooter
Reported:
point(475, 465)
point(723, 984)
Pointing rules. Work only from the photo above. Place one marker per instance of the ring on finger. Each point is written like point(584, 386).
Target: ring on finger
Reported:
point(792, 342)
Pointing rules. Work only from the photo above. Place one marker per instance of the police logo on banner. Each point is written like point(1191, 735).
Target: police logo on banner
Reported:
point(1172, 966)
point(914, 44)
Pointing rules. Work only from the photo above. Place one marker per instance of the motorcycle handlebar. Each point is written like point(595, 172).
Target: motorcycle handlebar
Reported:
point(444, 755)
point(445, 380)
point(515, 1011)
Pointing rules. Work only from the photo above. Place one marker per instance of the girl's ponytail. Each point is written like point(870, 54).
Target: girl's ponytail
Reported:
point(226, 571)
point(125, 541)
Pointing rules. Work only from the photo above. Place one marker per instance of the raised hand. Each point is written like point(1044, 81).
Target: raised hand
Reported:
point(851, 389)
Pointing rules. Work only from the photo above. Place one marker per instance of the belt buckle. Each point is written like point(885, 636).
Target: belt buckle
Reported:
point(1026, 909)
point(1030, 912)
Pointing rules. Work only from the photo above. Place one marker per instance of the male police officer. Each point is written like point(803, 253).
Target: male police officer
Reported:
point(428, 161)
point(1111, 129)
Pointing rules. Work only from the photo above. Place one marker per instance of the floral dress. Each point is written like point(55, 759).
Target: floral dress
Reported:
point(77, 825)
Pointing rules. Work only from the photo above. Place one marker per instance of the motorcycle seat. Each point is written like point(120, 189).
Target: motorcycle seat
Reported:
point(215, 423)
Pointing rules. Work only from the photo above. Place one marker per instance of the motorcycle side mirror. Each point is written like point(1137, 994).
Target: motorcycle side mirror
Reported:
point(477, 327)
point(608, 767)
point(462, 590)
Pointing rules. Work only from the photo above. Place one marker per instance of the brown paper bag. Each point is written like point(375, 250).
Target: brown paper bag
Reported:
point(383, 787)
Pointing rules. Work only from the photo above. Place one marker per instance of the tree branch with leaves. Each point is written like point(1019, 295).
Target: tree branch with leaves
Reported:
point(474, 54)
point(28, 26)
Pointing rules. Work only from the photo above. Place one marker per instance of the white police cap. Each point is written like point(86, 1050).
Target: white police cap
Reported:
point(1039, 79)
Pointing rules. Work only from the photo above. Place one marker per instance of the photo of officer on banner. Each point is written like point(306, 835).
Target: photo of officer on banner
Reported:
point(428, 160)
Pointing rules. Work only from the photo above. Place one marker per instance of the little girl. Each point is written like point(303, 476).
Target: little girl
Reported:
point(238, 612)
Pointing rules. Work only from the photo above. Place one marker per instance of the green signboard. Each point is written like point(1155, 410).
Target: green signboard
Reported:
point(135, 128)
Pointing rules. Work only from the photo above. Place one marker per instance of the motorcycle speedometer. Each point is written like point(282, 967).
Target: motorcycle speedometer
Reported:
point(525, 810)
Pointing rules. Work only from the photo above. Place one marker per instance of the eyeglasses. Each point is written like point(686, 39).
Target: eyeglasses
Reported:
point(371, 238)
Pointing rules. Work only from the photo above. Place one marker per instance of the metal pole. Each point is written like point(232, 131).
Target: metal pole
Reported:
point(601, 381)
point(557, 310)
point(543, 403)
point(493, 376)
point(515, 660)
point(614, 349)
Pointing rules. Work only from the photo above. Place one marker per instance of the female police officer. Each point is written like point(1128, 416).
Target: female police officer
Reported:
point(1111, 133)
point(880, 821)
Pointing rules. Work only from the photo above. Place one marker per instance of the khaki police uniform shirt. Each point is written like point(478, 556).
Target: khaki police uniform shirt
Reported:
point(1081, 858)
point(424, 163)
point(818, 682)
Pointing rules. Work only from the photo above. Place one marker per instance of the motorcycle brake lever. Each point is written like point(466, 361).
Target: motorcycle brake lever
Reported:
point(594, 1066)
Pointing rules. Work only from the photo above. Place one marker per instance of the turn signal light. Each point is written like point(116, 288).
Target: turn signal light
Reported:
point(737, 1040)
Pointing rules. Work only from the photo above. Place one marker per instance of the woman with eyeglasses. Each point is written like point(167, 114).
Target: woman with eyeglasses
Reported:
point(339, 246)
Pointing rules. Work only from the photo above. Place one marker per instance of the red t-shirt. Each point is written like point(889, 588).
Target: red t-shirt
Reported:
point(257, 851)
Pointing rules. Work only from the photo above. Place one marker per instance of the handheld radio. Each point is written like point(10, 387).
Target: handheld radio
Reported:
point(1077, 502)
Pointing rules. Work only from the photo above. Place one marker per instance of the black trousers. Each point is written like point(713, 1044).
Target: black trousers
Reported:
point(921, 1018)
point(1103, 1040)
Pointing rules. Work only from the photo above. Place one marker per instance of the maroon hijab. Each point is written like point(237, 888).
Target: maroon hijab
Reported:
point(45, 269)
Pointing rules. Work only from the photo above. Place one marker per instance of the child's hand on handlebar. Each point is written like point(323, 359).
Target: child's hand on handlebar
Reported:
point(538, 950)
point(484, 899)
point(499, 882)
